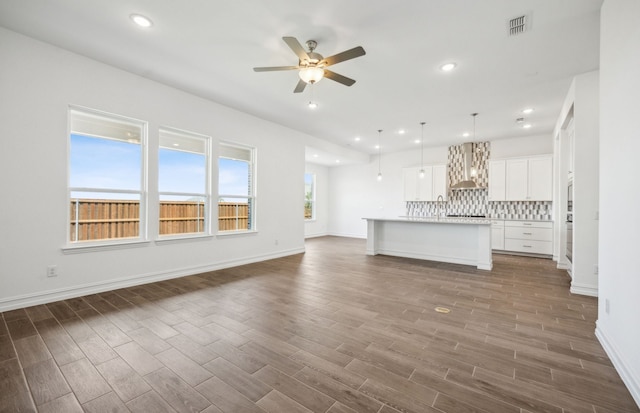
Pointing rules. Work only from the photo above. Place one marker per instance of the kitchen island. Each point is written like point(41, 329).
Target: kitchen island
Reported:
point(455, 240)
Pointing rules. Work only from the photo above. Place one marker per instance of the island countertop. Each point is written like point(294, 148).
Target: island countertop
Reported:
point(435, 220)
point(457, 240)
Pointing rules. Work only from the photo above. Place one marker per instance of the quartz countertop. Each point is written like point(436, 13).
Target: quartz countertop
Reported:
point(435, 220)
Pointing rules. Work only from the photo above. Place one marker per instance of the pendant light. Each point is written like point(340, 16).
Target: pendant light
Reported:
point(422, 151)
point(379, 171)
point(474, 172)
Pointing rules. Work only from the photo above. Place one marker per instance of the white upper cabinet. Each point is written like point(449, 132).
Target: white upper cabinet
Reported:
point(497, 180)
point(439, 181)
point(517, 180)
point(529, 179)
point(427, 188)
point(540, 179)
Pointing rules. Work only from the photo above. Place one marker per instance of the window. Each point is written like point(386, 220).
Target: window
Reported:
point(236, 188)
point(183, 188)
point(106, 176)
point(309, 196)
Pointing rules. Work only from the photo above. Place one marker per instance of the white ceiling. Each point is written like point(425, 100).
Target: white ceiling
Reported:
point(209, 48)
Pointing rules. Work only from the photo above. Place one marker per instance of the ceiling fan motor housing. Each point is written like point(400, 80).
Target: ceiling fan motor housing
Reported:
point(314, 59)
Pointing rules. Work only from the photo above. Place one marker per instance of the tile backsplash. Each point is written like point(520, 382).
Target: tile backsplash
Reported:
point(475, 201)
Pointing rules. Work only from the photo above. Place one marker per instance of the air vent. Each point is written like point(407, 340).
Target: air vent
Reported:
point(517, 25)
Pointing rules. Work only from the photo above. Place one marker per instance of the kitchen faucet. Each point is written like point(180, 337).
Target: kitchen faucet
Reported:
point(439, 202)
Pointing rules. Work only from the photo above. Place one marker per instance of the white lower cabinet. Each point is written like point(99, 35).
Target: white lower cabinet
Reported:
point(497, 234)
point(533, 237)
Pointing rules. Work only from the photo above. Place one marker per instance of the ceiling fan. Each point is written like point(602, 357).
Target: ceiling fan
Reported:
point(312, 66)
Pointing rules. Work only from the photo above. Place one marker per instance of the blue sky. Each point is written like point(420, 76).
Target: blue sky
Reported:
point(112, 164)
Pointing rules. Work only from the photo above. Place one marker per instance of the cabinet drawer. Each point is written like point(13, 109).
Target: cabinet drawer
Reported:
point(529, 246)
point(529, 224)
point(523, 233)
point(497, 223)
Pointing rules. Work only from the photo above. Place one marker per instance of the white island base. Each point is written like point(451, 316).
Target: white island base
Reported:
point(455, 240)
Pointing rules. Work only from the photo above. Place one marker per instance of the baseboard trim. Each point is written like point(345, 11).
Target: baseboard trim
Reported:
point(433, 257)
point(620, 363)
point(44, 297)
point(316, 235)
point(347, 235)
point(584, 290)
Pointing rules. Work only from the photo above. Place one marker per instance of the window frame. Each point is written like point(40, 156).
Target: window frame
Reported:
point(142, 192)
point(207, 216)
point(251, 197)
point(312, 201)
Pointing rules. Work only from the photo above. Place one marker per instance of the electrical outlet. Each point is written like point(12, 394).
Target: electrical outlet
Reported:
point(276, 242)
point(52, 271)
point(606, 305)
point(595, 269)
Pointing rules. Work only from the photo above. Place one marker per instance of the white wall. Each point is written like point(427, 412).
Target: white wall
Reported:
point(320, 225)
point(525, 146)
point(355, 192)
point(38, 83)
point(619, 282)
point(582, 103)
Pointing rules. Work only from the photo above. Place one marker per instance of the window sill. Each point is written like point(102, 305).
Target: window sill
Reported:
point(107, 246)
point(183, 238)
point(235, 233)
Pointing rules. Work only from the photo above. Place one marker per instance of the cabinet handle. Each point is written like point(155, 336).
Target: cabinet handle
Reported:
point(527, 233)
point(527, 246)
point(527, 224)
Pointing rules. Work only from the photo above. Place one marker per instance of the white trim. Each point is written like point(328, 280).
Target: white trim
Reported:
point(433, 257)
point(43, 297)
point(620, 363)
point(316, 235)
point(347, 235)
point(583, 289)
point(185, 237)
point(104, 246)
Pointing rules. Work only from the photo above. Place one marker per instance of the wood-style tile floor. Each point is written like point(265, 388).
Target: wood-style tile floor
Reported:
point(332, 330)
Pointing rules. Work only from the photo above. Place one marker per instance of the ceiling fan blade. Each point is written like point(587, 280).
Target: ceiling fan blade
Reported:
point(338, 78)
point(300, 86)
point(274, 68)
point(341, 57)
point(297, 48)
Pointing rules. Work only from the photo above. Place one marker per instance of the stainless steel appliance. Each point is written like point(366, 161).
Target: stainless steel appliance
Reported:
point(570, 241)
point(570, 220)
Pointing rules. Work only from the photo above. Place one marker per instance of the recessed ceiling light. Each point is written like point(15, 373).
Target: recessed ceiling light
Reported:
point(357, 139)
point(176, 144)
point(315, 155)
point(313, 105)
point(337, 160)
point(447, 67)
point(417, 141)
point(377, 146)
point(526, 111)
point(141, 20)
point(526, 126)
point(401, 131)
point(465, 135)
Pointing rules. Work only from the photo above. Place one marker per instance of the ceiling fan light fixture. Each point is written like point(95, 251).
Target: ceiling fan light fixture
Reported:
point(313, 105)
point(311, 74)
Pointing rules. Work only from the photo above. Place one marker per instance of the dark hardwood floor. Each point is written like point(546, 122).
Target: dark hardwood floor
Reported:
point(331, 330)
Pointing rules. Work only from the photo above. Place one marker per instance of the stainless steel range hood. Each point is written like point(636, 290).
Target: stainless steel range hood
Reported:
point(468, 174)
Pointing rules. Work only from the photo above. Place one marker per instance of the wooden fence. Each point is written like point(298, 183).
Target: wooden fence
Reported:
point(100, 219)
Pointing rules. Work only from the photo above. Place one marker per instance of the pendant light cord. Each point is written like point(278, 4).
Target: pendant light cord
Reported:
point(422, 147)
point(379, 157)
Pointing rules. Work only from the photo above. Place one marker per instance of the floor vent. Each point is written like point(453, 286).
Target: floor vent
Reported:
point(517, 25)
